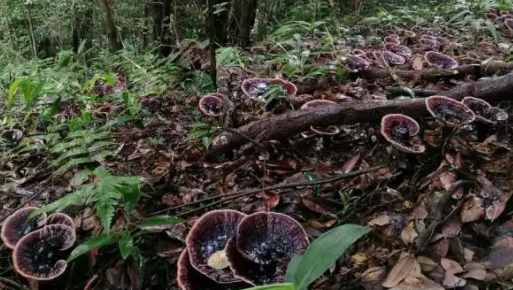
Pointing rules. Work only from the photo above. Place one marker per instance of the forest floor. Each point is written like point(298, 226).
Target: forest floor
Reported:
point(463, 241)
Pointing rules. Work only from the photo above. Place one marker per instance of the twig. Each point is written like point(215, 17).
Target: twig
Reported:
point(274, 187)
point(12, 283)
point(417, 92)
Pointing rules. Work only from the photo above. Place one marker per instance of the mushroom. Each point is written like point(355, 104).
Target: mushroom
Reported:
point(41, 255)
point(389, 57)
point(60, 218)
point(429, 44)
point(451, 112)
point(356, 63)
point(427, 36)
point(263, 246)
point(440, 60)
point(508, 22)
point(358, 52)
point(392, 39)
point(491, 15)
point(206, 242)
point(18, 225)
point(330, 130)
point(486, 115)
point(190, 279)
point(256, 88)
point(400, 131)
point(398, 49)
point(211, 104)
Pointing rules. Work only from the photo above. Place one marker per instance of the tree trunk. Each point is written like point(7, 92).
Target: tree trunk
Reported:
point(161, 15)
point(110, 27)
point(220, 20)
point(241, 20)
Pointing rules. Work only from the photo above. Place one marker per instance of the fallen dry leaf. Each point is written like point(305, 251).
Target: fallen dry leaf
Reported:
point(475, 271)
point(406, 264)
point(473, 210)
point(409, 234)
point(426, 264)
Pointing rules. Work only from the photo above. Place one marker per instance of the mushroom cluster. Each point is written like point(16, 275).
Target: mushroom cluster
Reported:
point(39, 243)
point(227, 249)
point(256, 88)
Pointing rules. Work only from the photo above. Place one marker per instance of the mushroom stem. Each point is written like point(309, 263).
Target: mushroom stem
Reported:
point(482, 130)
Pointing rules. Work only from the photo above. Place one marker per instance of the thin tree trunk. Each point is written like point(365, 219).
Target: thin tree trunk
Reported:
point(110, 27)
point(241, 20)
point(31, 31)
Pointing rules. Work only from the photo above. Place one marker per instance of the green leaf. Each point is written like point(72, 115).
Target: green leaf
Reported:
point(126, 245)
point(131, 195)
point(292, 268)
point(160, 220)
point(284, 286)
point(92, 244)
point(323, 253)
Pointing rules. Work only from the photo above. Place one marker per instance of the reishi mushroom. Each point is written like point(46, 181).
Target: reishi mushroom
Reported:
point(206, 242)
point(256, 88)
point(389, 57)
point(264, 244)
point(189, 278)
point(60, 218)
point(451, 112)
point(398, 49)
point(486, 115)
point(41, 255)
point(392, 39)
point(356, 63)
point(429, 44)
point(401, 131)
point(440, 60)
point(211, 104)
point(330, 130)
point(17, 225)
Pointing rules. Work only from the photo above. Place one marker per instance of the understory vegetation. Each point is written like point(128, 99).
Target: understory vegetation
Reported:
point(103, 117)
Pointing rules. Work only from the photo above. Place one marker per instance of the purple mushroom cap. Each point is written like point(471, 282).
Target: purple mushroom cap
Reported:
point(211, 104)
point(41, 255)
point(400, 131)
point(17, 225)
point(484, 111)
point(451, 112)
point(440, 60)
point(256, 88)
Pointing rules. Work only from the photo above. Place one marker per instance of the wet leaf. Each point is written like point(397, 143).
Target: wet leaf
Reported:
point(315, 207)
point(126, 245)
point(152, 223)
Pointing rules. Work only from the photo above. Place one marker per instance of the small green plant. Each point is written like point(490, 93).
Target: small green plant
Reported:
point(273, 94)
point(346, 197)
point(202, 131)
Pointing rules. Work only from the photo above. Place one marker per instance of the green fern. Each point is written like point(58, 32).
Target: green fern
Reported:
point(103, 190)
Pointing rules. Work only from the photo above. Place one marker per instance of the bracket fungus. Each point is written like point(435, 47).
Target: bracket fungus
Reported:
point(451, 112)
point(41, 255)
point(61, 219)
point(211, 104)
point(256, 88)
point(264, 244)
point(393, 39)
point(398, 49)
point(330, 130)
point(206, 242)
point(189, 278)
point(356, 63)
point(401, 131)
point(390, 57)
point(17, 225)
point(429, 44)
point(440, 60)
point(484, 111)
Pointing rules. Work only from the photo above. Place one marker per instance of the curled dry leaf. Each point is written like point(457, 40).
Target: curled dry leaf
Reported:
point(501, 254)
point(417, 281)
point(452, 268)
point(476, 271)
point(373, 277)
point(409, 234)
point(380, 221)
point(426, 264)
point(406, 264)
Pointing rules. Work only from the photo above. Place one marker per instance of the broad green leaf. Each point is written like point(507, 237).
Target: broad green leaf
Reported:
point(92, 244)
point(13, 88)
point(284, 286)
point(323, 253)
point(160, 221)
point(126, 245)
point(131, 195)
point(292, 268)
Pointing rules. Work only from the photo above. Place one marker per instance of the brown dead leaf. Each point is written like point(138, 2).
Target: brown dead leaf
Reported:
point(359, 259)
point(501, 254)
point(473, 210)
point(380, 221)
point(409, 234)
point(350, 164)
point(273, 201)
point(476, 271)
point(418, 63)
point(417, 281)
point(406, 264)
point(426, 264)
point(315, 207)
point(323, 225)
point(373, 277)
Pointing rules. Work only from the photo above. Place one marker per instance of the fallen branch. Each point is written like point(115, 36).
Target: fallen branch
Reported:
point(478, 70)
point(285, 125)
point(224, 198)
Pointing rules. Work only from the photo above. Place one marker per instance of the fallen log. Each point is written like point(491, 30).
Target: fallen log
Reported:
point(478, 70)
point(285, 125)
